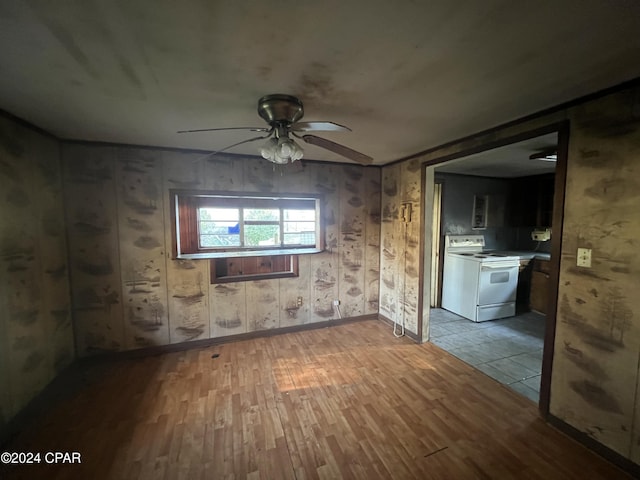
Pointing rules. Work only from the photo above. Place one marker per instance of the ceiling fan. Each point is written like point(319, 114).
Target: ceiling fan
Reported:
point(283, 113)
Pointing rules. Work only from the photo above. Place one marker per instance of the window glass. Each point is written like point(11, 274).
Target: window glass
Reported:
point(300, 215)
point(261, 214)
point(265, 235)
point(219, 227)
point(299, 227)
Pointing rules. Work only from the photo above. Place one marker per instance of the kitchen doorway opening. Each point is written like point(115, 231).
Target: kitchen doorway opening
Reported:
point(508, 200)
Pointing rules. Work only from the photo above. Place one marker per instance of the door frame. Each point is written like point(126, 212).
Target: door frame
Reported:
point(427, 179)
point(436, 252)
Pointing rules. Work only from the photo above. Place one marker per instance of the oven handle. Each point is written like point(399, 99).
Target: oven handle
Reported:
point(499, 266)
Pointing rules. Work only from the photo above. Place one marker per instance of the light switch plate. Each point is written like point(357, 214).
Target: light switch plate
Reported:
point(584, 257)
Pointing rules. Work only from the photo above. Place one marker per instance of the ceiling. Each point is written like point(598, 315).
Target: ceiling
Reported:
point(509, 161)
point(405, 76)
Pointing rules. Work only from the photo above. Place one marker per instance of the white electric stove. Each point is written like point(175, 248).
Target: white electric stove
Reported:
point(478, 285)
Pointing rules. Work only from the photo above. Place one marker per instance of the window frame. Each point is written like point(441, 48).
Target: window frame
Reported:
point(185, 222)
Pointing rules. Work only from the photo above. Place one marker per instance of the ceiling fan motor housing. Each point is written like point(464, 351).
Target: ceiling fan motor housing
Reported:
point(280, 109)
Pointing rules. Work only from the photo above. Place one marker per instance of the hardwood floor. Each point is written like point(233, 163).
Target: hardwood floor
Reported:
point(350, 401)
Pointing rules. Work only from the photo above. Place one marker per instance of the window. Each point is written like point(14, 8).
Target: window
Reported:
point(215, 225)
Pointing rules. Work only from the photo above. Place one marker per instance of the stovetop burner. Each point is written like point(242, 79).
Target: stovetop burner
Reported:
point(471, 247)
point(484, 256)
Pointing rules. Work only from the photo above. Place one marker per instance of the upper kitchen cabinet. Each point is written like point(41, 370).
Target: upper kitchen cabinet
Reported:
point(532, 201)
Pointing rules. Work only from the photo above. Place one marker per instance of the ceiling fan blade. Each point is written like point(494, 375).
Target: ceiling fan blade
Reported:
point(253, 129)
point(319, 127)
point(262, 137)
point(339, 149)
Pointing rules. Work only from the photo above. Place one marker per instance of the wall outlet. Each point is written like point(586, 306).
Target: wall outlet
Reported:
point(336, 303)
point(299, 302)
point(584, 257)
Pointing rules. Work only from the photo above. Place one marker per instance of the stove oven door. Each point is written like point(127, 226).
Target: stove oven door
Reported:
point(498, 282)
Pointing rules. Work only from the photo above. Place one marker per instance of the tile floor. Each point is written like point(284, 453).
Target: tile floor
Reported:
point(508, 350)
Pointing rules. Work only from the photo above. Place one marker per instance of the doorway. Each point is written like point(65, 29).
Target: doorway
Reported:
point(523, 180)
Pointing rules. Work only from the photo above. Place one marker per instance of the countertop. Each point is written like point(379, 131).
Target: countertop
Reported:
point(527, 255)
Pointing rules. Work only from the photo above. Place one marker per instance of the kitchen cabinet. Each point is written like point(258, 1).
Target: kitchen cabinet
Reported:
point(539, 293)
point(524, 283)
point(532, 201)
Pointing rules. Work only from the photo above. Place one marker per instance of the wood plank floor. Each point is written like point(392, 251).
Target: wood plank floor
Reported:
point(350, 401)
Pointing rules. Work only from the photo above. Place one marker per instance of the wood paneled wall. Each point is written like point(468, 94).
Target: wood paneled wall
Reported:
point(597, 348)
point(595, 376)
point(36, 338)
point(129, 293)
point(400, 254)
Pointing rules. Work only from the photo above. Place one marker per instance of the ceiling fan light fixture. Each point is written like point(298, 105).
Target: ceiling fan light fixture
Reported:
point(548, 155)
point(268, 150)
point(280, 160)
point(287, 148)
point(281, 150)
